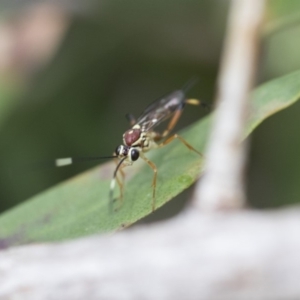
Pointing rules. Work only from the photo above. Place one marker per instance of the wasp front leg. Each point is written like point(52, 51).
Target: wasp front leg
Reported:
point(120, 182)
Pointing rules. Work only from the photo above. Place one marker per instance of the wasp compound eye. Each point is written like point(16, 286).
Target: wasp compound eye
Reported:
point(118, 150)
point(134, 154)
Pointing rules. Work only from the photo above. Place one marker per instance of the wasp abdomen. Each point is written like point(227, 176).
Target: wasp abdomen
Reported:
point(131, 136)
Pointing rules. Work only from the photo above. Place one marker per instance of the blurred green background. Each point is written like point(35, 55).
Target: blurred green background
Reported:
point(69, 72)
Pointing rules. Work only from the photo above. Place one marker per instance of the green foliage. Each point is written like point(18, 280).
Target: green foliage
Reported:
point(79, 206)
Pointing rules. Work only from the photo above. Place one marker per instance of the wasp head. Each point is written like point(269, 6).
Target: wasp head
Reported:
point(130, 152)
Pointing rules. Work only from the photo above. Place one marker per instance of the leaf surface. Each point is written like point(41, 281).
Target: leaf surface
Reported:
point(79, 206)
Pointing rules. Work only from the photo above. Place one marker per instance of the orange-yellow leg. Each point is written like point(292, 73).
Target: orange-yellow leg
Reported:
point(176, 136)
point(120, 184)
point(193, 101)
point(177, 115)
point(153, 167)
point(172, 123)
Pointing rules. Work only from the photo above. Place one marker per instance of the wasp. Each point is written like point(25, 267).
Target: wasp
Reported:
point(142, 137)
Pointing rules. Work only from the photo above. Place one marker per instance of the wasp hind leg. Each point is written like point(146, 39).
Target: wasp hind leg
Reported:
point(153, 167)
point(182, 140)
point(172, 123)
point(177, 115)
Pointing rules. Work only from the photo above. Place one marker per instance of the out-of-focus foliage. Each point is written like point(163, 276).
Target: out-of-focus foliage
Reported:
point(274, 168)
point(115, 58)
point(281, 43)
point(114, 61)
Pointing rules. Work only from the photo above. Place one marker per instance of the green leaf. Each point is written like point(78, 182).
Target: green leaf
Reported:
point(9, 93)
point(79, 206)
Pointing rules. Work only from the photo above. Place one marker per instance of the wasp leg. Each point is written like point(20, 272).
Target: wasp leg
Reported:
point(121, 185)
point(176, 136)
point(198, 102)
point(193, 101)
point(172, 123)
point(153, 167)
point(131, 119)
point(177, 115)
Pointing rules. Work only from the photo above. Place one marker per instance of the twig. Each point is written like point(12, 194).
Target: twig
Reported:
point(222, 183)
point(235, 256)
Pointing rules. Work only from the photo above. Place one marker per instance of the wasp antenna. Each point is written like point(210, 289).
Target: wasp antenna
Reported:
point(118, 166)
point(66, 161)
point(113, 183)
point(61, 162)
point(189, 84)
point(111, 193)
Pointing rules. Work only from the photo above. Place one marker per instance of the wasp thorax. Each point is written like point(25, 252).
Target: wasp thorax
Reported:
point(131, 136)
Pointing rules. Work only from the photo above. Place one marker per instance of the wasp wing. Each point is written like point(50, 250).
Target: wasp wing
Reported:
point(161, 109)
